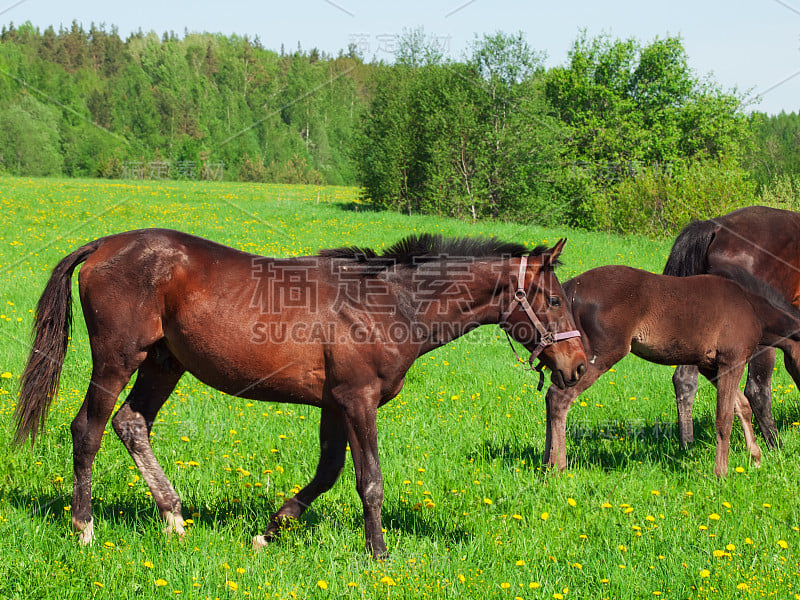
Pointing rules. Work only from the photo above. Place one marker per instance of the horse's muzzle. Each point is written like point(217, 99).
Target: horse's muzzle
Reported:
point(563, 382)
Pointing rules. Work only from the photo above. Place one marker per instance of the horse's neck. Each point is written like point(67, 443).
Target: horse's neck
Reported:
point(452, 302)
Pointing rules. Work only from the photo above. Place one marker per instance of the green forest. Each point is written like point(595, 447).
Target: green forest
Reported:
point(624, 136)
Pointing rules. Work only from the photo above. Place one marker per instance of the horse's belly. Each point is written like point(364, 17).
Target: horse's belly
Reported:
point(672, 352)
point(238, 366)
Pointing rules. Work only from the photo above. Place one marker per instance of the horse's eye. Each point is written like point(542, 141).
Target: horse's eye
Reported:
point(554, 301)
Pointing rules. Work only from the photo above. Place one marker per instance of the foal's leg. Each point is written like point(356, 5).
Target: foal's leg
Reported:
point(759, 391)
point(332, 443)
point(87, 432)
point(745, 414)
point(558, 402)
point(158, 376)
point(726, 380)
point(684, 380)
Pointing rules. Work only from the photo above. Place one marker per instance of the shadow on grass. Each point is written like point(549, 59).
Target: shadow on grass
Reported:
point(613, 446)
point(364, 207)
point(141, 515)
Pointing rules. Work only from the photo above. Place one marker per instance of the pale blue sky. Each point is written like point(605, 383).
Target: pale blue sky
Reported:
point(753, 46)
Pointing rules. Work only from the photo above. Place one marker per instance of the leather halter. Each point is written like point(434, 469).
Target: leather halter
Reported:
point(546, 338)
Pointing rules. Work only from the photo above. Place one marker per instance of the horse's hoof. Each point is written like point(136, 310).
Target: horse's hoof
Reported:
point(86, 536)
point(259, 542)
point(174, 525)
point(85, 531)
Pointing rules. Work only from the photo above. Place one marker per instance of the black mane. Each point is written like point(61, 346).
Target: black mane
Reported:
point(416, 249)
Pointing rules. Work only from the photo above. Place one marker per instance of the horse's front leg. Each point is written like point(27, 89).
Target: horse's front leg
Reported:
point(332, 444)
point(360, 412)
point(558, 402)
point(684, 380)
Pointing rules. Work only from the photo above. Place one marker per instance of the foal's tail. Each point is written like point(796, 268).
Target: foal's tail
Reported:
point(51, 336)
point(688, 254)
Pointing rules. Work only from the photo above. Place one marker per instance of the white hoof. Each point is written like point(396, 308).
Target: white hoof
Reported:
point(259, 542)
point(86, 533)
point(174, 525)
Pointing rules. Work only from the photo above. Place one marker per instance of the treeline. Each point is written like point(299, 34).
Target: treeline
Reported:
point(623, 137)
point(87, 103)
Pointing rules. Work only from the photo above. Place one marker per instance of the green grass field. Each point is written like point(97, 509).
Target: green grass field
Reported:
point(468, 511)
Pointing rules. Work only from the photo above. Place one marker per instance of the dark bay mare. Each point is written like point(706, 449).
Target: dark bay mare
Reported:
point(764, 242)
point(711, 322)
point(338, 331)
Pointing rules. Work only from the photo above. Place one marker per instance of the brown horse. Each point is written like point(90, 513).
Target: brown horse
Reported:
point(766, 243)
point(338, 331)
point(708, 321)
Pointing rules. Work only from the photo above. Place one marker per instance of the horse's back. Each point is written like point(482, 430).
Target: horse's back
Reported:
point(765, 242)
point(662, 318)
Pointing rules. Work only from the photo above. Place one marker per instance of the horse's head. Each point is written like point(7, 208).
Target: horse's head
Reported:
point(539, 316)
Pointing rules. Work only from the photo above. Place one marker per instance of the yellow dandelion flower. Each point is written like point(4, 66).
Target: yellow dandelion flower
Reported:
point(232, 585)
point(148, 564)
point(387, 580)
point(783, 544)
point(714, 517)
point(487, 501)
point(160, 582)
point(322, 584)
point(705, 573)
point(572, 502)
point(520, 563)
point(505, 585)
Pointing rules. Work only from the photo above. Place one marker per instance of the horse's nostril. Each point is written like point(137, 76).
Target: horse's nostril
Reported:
point(581, 369)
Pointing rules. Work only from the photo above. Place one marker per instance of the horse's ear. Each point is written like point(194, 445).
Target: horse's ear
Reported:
point(551, 256)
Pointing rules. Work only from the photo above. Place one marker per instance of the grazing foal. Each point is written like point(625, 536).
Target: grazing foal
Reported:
point(707, 321)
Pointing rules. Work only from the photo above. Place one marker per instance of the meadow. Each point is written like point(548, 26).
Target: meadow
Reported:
point(468, 511)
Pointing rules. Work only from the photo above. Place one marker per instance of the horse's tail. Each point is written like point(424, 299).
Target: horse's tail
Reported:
point(51, 329)
point(688, 254)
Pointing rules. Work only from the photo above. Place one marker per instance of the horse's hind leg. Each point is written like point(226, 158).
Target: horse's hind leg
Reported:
point(333, 442)
point(726, 380)
point(745, 414)
point(158, 376)
point(759, 392)
point(87, 432)
point(684, 380)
